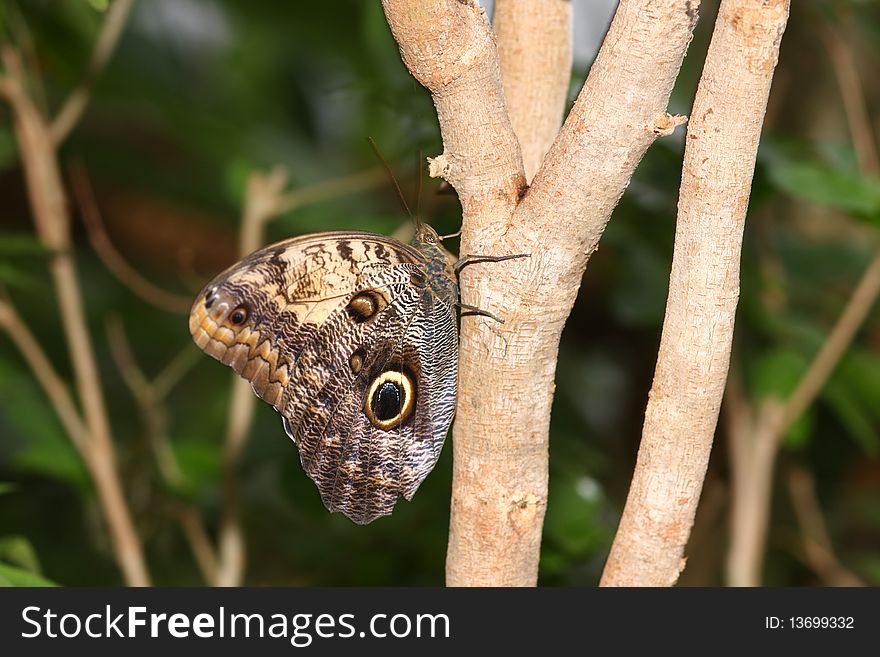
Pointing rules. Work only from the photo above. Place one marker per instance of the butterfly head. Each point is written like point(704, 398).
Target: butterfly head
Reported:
point(425, 234)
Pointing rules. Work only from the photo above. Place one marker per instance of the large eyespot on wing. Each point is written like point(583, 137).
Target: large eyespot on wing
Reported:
point(329, 381)
point(391, 397)
point(381, 439)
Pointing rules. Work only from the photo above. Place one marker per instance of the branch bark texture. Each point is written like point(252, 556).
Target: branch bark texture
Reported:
point(694, 355)
point(534, 51)
point(506, 371)
point(754, 447)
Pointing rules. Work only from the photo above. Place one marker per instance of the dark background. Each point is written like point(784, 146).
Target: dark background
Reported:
point(201, 93)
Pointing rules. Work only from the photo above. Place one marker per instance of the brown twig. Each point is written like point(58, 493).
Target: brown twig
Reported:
point(149, 402)
point(75, 104)
point(232, 554)
point(753, 473)
point(692, 363)
point(24, 39)
point(194, 530)
point(52, 221)
point(149, 395)
point(862, 299)
point(55, 388)
point(818, 549)
point(106, 251)
point(323, 190)
point(846, 71)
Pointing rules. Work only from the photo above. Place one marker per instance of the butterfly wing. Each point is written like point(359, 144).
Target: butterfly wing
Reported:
point(342, 333)
point(377, 424)
point(283, 293)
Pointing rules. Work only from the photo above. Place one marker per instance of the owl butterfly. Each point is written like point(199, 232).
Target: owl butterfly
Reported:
point(352, 337)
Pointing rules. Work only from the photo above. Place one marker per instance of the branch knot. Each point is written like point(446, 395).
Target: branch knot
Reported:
point(665, 123)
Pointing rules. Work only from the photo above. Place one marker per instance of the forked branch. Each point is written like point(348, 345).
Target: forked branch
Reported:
point(506, 372)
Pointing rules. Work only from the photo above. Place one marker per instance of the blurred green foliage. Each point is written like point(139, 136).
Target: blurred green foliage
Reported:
point(201, 93)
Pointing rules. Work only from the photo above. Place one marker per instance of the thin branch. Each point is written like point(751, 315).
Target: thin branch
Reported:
point(150, 404)
point(174, 371)
point(694, 355)
point(835, 346)
point(149, 395)
point(53, 385)
point(323, 190)
point(752, 488)
point(506, 371)
point(535, 53)
point(264, 199)
point(847, 73)
point(75, 104)
point(52, 221)
point(24, 39)
point(194, 530)
point(232, 550)
point(814, 535)
point(106, 251)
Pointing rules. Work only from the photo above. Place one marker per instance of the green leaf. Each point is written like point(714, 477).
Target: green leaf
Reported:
point(18, 551)
point(200, 464)
point(13, 243)
point(57, 459)
point(12, 277)
point(38, 442)
point(775, 375)
point(853, 416)
point(837, 188)
point(860, 369)
point(12, 576)
point(6, 487)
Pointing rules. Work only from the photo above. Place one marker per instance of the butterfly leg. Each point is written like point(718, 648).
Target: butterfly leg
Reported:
point(471, 259)
point(473, 310)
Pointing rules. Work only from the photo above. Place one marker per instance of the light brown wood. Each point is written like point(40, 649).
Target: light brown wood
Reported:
point(534, 50)
point(500, 439)
point(692, 363)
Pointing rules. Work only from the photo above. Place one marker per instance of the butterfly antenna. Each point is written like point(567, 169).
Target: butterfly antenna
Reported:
point(419, 189)
point(392, 177)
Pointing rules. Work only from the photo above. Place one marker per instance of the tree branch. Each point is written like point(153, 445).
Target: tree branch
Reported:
point(448, 46)
point(818, 550)
point(75, 104)
point(53, 385)
point(52, 220)
point(149, 395)
point(506, 371)
point(753, 471)
point(106, 251)
point(694, 355)
point(535, 53)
